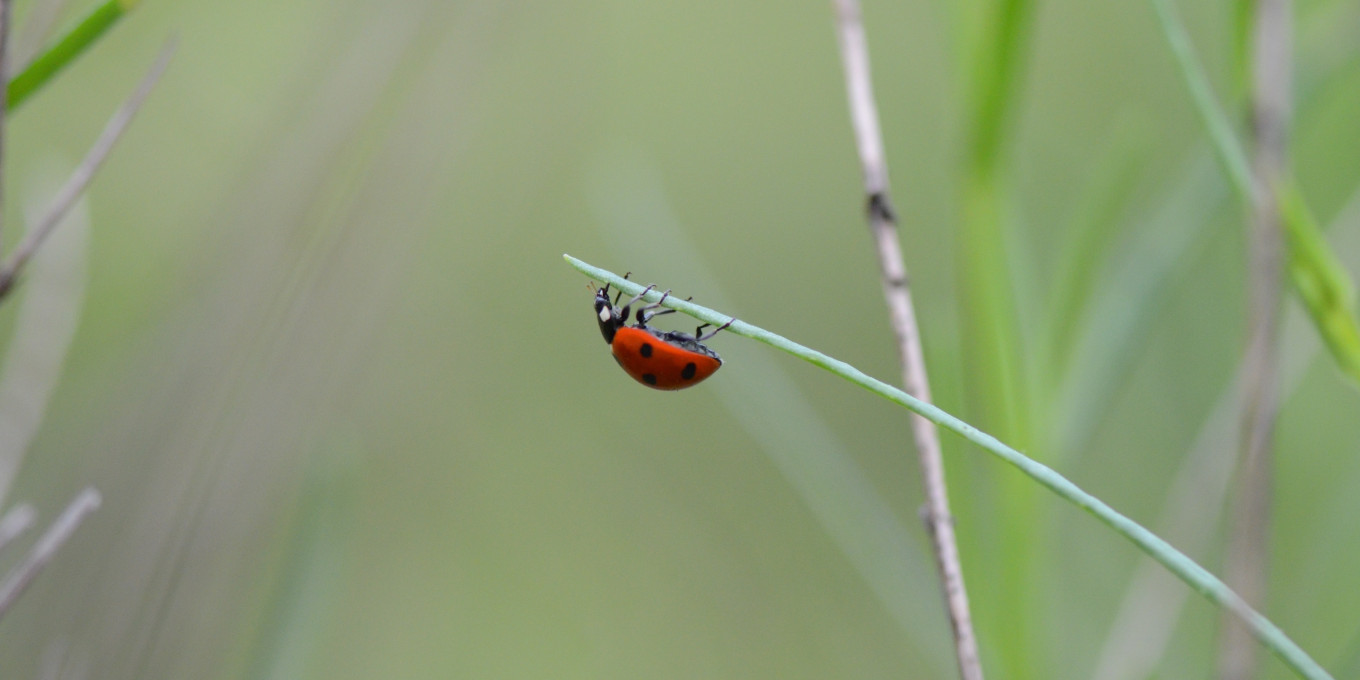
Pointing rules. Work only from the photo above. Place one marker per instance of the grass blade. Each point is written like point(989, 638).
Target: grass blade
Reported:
point(1323, 285)
point(1197, 577)
point(993, 341)
point(62, 52)
point(637, 219)
point(1227, 148)
point(1152, 607)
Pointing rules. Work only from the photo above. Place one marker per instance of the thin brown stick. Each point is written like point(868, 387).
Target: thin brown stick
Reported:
point(1246, 558)
point(5, 12)
point(897, 293)
point(83, 175)
point(46, 548)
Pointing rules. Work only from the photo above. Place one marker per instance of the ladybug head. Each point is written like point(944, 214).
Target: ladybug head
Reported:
point(608, 317)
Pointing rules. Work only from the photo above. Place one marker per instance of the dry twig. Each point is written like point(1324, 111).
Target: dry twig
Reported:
point(1245, 562)
point(83, 175)
point(897, 293)
point(21, 576)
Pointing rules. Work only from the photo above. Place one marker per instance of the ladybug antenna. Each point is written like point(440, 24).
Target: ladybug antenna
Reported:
point(700, 336)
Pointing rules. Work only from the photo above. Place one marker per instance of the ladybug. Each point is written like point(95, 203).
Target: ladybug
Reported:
point(664, 360)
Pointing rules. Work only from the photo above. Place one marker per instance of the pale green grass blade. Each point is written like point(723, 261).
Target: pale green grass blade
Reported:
point(1197, 577)
point(629, 198)
point(1146, 624)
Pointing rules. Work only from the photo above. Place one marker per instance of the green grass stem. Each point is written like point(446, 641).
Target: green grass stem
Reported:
point(997, 385)
point(1321, 281)
point(986, 289)
point(995, 66)
point(65, 50)
point(1226, 147)
point(1197, 577)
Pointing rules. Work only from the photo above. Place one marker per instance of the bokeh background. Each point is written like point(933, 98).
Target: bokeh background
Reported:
point(351, 417)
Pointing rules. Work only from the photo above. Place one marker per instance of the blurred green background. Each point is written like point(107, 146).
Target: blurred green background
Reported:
point(351, 416)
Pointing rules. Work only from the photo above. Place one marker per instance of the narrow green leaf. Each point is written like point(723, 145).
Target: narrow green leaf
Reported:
point(62, 52)
point(1324, 286)
point(987, 296)
point(1226, 145)
point(998, 383)
point(1197, 577)
point(996, 66)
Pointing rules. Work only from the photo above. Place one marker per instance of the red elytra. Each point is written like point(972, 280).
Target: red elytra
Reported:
point(664, 360)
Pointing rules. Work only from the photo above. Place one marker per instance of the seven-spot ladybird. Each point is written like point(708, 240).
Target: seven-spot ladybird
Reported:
point(665, 360)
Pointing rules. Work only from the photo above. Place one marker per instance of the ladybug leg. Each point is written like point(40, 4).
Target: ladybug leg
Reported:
point(637, 297)
point(624, 310)
point(620, 294)
point(702, 337)
point(643, 317)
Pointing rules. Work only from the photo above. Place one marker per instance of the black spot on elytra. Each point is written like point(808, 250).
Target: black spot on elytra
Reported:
point(688, 373)
point(646, 350)
point(649, 378)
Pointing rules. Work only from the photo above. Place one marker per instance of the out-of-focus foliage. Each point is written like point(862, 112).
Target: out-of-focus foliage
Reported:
point(62, 51)
point(329, 248)
point(1323, 283)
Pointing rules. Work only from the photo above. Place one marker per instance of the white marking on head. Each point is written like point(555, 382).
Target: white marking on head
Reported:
point(605, 314)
